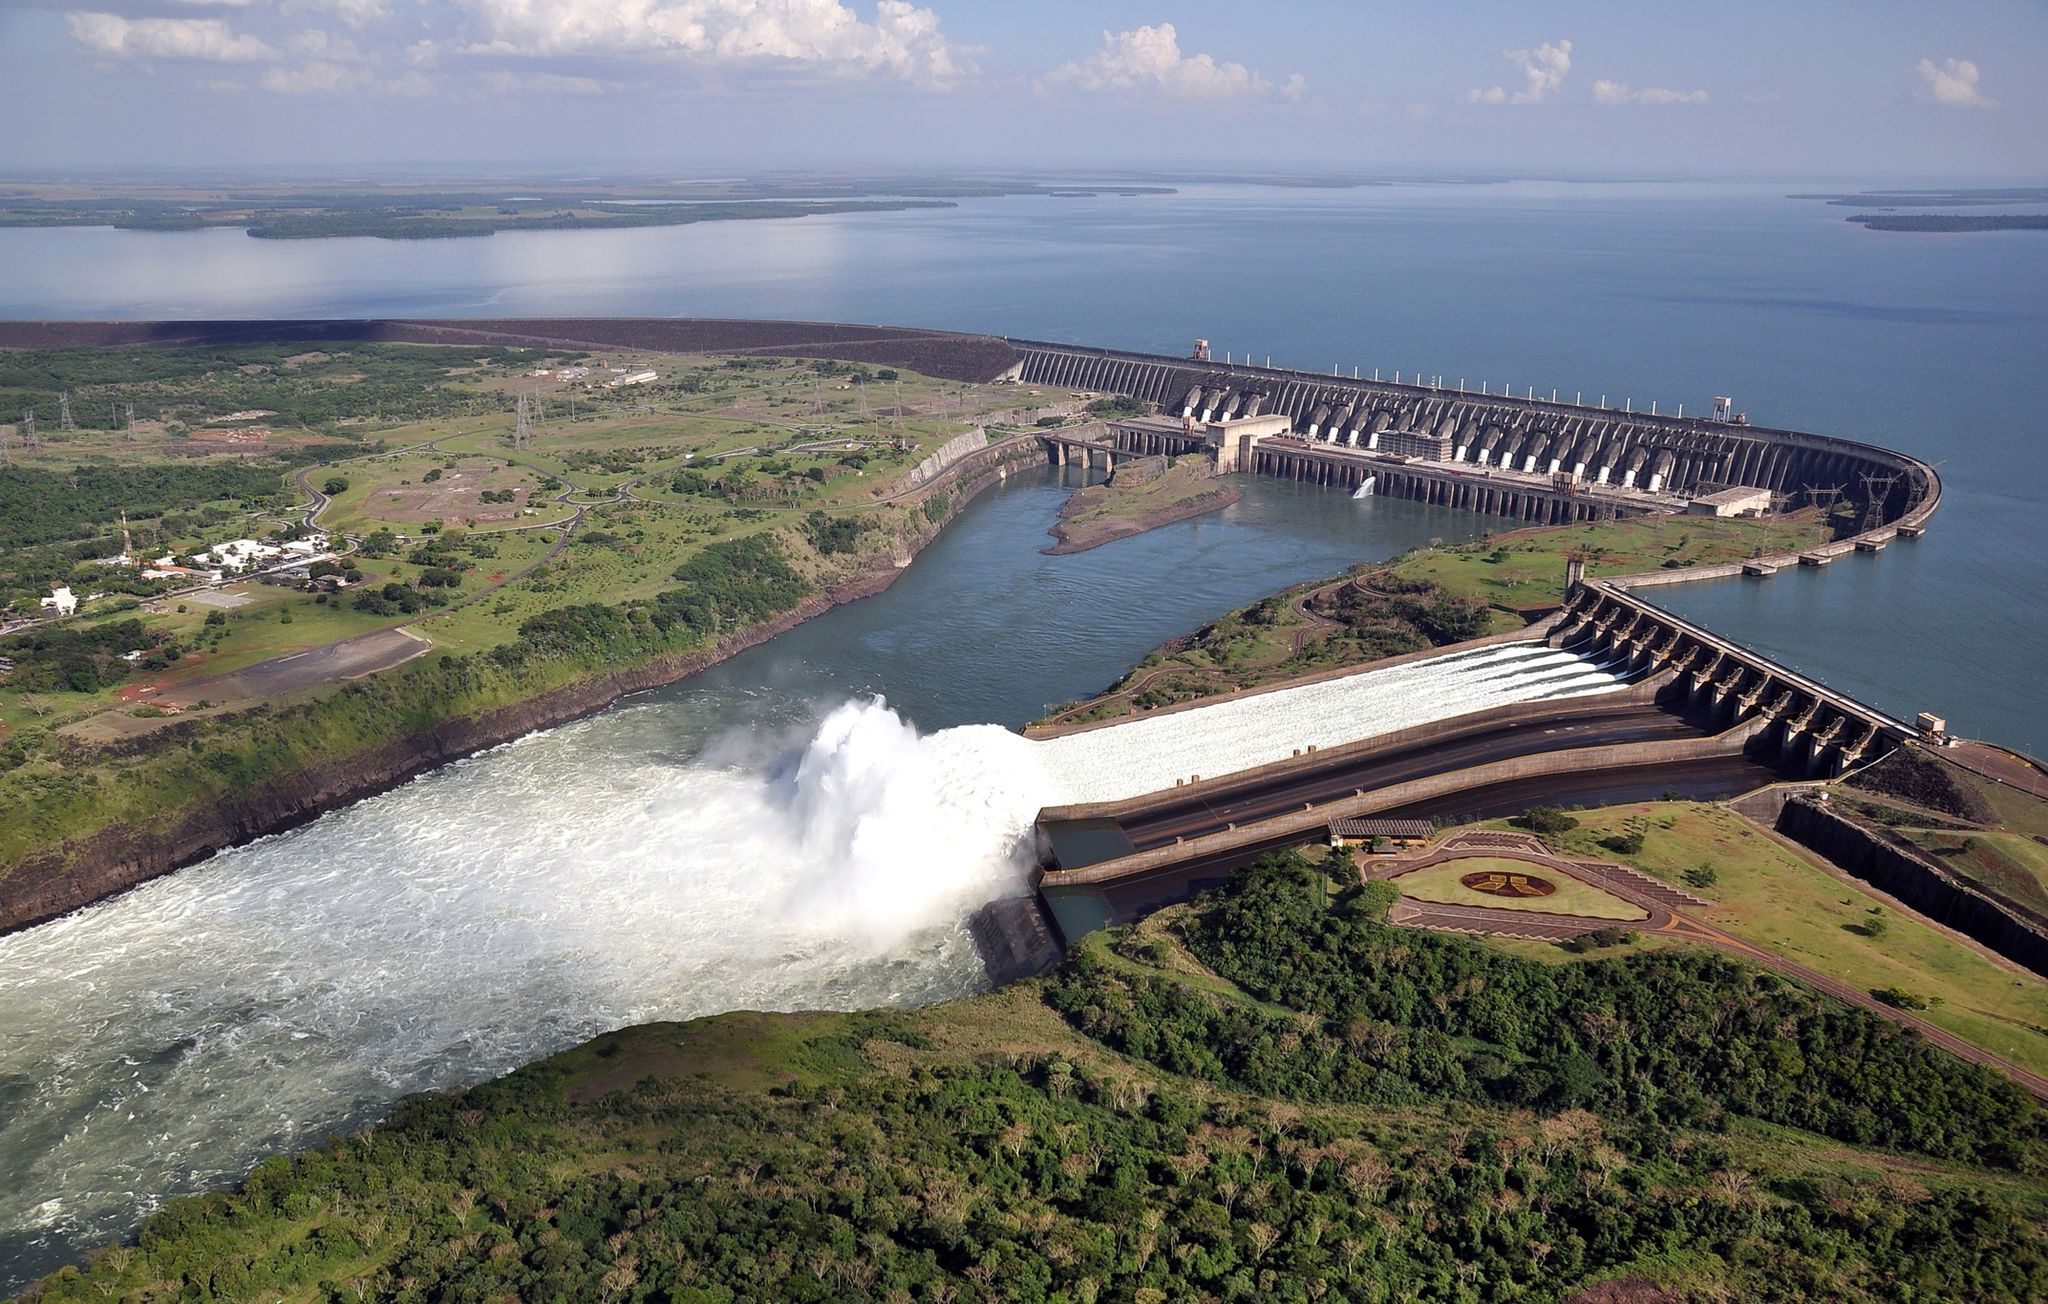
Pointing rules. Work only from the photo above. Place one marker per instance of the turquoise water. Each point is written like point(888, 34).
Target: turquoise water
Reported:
point(1671, 292)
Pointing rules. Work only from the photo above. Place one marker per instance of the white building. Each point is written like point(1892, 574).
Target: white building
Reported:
point(62, 601)
point(240, 554)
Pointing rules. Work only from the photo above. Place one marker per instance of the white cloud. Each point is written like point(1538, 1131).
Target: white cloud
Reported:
point(1543, 71)
point(1761, 97)
point(902, 42)
point(317, 78)
point(1149, 60)
point(1611, 92)
point(316, 44)
point(208, 40)
point(1952, 84)
point(356, 13)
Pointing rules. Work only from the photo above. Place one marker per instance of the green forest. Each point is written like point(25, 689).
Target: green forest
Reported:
point(1275, 1095)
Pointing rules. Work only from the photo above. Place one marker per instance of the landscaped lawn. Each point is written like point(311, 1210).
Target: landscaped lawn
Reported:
point(1771, 894)
point(1442, 884)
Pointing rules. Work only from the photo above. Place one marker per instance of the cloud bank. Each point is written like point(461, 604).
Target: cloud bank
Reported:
point(1148, 61)
point(903, 42)
point(205, 40)
point(1613, 92)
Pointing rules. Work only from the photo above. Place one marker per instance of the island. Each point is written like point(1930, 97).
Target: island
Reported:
point(1952, 222)
point(1141, 494)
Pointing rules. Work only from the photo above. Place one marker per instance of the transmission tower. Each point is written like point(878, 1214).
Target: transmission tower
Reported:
point(64, 421)
point(131, 423)
point(1824, 496)
point(1878, 489)
point(522, 424)
point(28, 430)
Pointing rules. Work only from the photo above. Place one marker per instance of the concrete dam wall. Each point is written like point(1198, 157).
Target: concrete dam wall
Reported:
point(1640, 457)
point(1796, 723)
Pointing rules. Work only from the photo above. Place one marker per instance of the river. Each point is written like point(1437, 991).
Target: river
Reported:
point(701, 848)
point(617, 870)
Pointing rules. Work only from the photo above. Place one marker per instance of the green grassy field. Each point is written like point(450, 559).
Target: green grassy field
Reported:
point(2012, 863)
point(1771, 894)
point(718, 451)
point(1524, 570)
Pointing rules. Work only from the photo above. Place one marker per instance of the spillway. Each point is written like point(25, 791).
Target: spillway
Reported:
point(641, 865)
point(1154, 752)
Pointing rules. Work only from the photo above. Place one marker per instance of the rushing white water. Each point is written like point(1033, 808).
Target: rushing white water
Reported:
point(1151, 753)
point(519, 902)
point(495, 911)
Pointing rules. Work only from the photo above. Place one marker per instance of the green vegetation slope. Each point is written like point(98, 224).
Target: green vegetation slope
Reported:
point(1275, 1095)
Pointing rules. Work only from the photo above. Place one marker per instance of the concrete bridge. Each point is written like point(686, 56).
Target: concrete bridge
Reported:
point(1087, 446)
point(1790, 720)
point(1516, 444)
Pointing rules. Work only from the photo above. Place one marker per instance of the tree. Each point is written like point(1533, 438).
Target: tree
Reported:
point(1546, 819)
point(335, 485)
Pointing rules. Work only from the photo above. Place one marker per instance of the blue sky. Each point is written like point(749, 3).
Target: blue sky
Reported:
point(1876, 89)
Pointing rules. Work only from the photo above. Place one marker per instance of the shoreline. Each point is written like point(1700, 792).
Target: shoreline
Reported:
point(118, 858)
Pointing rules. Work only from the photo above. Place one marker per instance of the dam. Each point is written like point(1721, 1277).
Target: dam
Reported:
point(1608, 699)
point(1526, 456)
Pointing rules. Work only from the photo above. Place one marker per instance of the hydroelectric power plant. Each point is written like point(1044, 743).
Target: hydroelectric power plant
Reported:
point(408, 943)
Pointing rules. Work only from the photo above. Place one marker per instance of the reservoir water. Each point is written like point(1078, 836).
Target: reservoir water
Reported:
point(617, 870)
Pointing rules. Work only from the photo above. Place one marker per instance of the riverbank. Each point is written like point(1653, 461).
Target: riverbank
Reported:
point(1139, 496)
point(55, 880)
